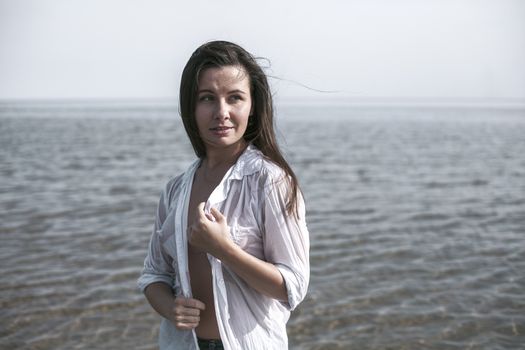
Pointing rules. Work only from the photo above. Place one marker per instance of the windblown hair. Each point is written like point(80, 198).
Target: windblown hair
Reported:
point(260, 131)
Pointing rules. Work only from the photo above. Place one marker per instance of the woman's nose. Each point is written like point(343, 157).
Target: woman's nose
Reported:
point(223, 110)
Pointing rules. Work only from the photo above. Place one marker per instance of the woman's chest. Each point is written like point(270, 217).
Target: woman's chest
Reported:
point(242, 208)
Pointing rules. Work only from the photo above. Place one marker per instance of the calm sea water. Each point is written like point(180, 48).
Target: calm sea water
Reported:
point(417, 221)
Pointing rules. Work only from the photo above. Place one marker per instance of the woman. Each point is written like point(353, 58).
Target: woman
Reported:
point(228, 258)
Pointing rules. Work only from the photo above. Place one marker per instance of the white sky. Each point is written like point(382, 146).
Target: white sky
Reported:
point(361, 49)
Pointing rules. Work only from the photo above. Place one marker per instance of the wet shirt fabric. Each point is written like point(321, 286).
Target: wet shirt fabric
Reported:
point(252, 195)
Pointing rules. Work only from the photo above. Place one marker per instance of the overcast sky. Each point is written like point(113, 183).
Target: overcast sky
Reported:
point(359, 49)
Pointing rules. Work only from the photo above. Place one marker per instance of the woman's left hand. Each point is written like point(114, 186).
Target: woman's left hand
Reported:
point(210, 232)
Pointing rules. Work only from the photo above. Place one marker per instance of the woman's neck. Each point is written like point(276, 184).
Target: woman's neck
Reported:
point(224, 157)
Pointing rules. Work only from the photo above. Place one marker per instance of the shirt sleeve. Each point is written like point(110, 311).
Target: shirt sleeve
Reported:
point(158, 264)
point(286, 240)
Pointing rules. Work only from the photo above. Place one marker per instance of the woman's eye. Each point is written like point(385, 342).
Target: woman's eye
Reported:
point(206, 98)
point(235, 98)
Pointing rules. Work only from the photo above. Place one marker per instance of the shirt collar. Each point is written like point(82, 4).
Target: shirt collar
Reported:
point(249, 162)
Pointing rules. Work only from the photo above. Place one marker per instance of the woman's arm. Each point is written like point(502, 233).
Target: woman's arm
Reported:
point(260, 275)
point(211, 233)
point(157, 276)
point(184, 313)
point(160, 297)
point(157, 264)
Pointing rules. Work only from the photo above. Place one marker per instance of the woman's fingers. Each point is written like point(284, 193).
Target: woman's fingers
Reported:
point(217, 215)
point(187, 312)
point(213, 215)
point(200, 209)
point(188, 306)
point(186, 321)
point(186, 326)
point(194, 303)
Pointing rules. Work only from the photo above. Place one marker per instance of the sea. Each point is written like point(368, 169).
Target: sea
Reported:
point(416, 216)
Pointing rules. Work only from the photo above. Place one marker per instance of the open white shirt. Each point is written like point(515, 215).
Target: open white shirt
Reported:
point(252, 195)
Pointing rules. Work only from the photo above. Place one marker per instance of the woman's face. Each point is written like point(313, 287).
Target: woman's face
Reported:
point(224, 104)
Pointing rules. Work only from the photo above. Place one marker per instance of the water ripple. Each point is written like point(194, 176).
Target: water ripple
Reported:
point(417, 227)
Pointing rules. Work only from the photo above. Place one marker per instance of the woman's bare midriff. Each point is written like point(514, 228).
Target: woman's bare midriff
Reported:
point(199, 266)
point(202, 289)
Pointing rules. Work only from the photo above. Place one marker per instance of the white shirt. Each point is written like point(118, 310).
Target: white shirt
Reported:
point(252, 196)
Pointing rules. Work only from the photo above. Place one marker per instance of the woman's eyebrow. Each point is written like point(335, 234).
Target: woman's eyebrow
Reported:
point(236, 91)
point(205, 90)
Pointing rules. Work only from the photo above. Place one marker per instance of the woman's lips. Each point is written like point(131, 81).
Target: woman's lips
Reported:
point(221, 130)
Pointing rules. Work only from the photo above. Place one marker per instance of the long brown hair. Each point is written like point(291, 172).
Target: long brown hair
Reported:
point(260, 131)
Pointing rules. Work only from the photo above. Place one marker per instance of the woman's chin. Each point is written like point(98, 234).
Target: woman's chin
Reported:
point(226, 144)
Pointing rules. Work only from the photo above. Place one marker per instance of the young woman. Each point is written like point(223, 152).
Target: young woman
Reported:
point(229, 254)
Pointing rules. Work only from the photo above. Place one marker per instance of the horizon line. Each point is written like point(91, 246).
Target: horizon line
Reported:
point(379, 101)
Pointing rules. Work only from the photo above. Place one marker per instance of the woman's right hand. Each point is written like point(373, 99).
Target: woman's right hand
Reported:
point(186, 312)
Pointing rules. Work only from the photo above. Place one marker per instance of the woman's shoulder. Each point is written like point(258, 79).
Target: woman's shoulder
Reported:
point(256, 164)
point(173, 182)
point(170, 188)
point(176, 181)
point(270, 175)
point(272, 170)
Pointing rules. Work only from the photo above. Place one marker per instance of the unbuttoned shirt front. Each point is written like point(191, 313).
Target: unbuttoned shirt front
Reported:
point(253, 196)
